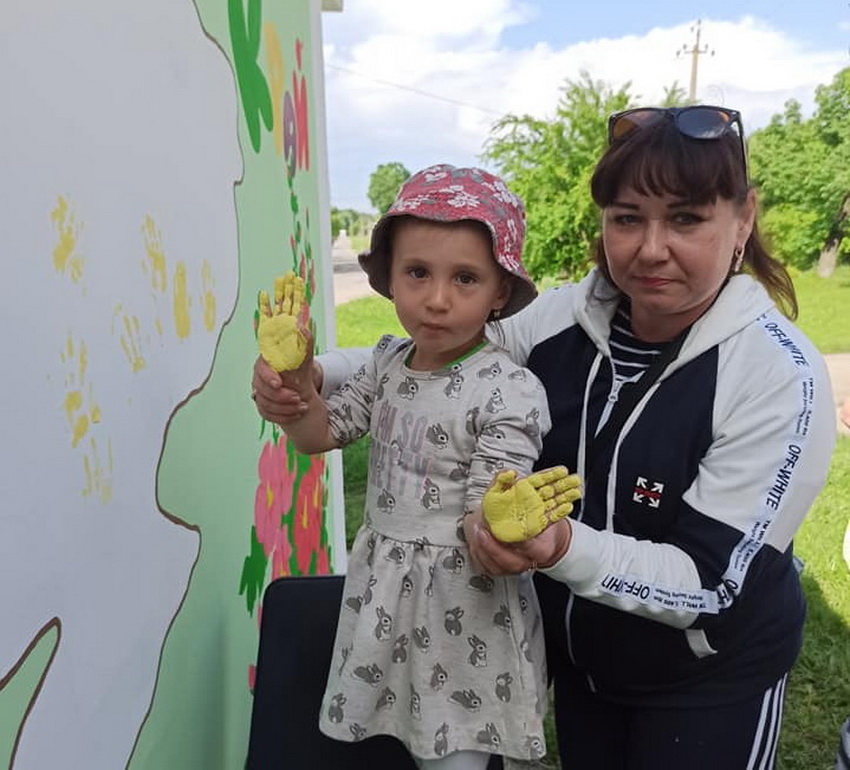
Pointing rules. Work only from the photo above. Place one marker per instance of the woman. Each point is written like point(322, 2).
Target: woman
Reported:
point(672, 605)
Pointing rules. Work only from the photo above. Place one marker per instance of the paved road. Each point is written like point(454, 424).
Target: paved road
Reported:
point(350, 283)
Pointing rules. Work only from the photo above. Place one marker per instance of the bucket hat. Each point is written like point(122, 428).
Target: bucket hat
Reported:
point(445, 193)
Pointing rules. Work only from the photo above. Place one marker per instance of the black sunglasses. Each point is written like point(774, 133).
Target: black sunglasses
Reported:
point(699, 121)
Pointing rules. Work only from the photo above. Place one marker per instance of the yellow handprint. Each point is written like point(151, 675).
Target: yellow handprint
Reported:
point(519, 509)
point(282, 342)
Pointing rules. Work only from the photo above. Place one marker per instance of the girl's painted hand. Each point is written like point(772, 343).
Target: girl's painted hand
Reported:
point(280, 330)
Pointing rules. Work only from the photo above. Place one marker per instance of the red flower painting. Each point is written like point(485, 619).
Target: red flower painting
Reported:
point(274, 494)
point(308, 519)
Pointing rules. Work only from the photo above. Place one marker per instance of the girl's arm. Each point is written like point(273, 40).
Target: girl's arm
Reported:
point(310, 431)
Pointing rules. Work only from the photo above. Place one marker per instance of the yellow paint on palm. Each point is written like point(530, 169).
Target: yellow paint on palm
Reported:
point(517, 509)
point(64, 258)
point(182, 302)
point(282, 343)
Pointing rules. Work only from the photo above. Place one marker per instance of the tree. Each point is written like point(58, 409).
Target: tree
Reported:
point(802, 170)
point(674, 95)
point(352, 221)
point(831, 121)
point(549, 165)
point(384, 184)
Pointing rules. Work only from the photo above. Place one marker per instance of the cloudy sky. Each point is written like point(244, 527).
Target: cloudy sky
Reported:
point(422, 81)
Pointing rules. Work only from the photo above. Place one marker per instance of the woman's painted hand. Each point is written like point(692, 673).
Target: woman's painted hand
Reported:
point(498, 558)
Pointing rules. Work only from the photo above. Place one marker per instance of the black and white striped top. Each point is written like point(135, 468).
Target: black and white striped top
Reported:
point(630, 356)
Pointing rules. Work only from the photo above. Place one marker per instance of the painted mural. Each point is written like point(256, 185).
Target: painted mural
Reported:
point(162, 162)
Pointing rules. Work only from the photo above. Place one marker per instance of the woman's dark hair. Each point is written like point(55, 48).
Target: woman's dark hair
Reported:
point(659, 160)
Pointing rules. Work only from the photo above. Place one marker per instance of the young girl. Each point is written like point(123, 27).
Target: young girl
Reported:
point(429, 649)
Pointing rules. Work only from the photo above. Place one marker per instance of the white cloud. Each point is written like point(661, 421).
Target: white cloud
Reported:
point(455, 51)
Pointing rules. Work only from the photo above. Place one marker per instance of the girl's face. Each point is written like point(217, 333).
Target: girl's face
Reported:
point(671, 257)
point(444, 283)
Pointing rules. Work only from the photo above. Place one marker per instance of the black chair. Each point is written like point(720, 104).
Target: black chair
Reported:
point(296, 642)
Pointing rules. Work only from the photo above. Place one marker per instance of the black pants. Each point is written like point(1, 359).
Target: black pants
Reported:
point(595, 734)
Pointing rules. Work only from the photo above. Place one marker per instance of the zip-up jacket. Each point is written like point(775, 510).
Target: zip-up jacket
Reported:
point(679, 586)
point(680, 582)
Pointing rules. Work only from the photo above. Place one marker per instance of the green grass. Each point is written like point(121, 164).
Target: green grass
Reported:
point(818, 695)
point(355, 464)
point(824, 313)
point(824, 304)
point(361, 323)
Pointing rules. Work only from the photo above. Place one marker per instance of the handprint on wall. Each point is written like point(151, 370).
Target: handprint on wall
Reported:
point(66, 260)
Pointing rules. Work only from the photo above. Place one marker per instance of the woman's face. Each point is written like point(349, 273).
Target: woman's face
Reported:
point(671, 256)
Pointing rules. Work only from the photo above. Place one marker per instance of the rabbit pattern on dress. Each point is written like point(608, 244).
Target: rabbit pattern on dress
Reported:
point(429, 649)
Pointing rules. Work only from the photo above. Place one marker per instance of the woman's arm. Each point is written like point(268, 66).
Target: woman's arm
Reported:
point(773, 437)
point(278, 402)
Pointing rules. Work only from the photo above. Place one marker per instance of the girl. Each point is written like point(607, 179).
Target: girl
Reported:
point(429, 649)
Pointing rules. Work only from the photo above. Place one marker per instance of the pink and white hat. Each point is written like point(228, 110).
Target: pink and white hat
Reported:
point(445, 193)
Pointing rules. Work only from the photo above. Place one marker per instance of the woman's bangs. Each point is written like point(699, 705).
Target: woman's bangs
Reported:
point(663, 162)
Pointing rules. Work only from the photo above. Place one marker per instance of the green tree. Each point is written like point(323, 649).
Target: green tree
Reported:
point(832, 125)
point(548, 163)
point(786, 165)
point(352, 221)
point(674, 95)
point(384, 184)
point(802, 170)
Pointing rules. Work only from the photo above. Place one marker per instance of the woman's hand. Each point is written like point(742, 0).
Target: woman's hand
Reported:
point(497, 558)
point(279, 395)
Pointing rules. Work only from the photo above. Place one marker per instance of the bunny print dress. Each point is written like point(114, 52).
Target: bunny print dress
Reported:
point(428, 649)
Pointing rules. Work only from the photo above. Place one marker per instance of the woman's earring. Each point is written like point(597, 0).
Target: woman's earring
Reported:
point(495, 313)
point(738, 254)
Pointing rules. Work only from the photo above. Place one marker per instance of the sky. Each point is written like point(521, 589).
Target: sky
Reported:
point(422, 81)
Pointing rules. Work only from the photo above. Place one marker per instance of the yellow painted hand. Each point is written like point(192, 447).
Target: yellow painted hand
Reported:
point(282, 342)
point(519, 509)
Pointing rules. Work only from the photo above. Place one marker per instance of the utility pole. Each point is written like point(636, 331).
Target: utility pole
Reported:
point(695, 52)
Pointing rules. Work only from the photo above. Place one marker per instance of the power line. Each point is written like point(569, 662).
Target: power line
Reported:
point(413, 90)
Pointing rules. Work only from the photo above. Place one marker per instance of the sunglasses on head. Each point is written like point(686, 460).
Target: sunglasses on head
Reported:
point(699, 121)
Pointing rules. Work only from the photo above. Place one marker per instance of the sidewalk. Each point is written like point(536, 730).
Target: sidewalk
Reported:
point(350, 282)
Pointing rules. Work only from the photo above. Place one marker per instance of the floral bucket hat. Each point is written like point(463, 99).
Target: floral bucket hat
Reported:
point(445, 193)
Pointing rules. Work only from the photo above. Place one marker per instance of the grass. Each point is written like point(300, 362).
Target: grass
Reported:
point(818, 698)
point(818, 695)
point(824, 315)
point(824, 304)
point(361, 322)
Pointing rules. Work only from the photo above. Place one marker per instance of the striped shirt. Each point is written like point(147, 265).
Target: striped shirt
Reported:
point(630, 356)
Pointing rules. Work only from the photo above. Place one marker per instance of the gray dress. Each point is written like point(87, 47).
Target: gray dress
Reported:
point(428, 649)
